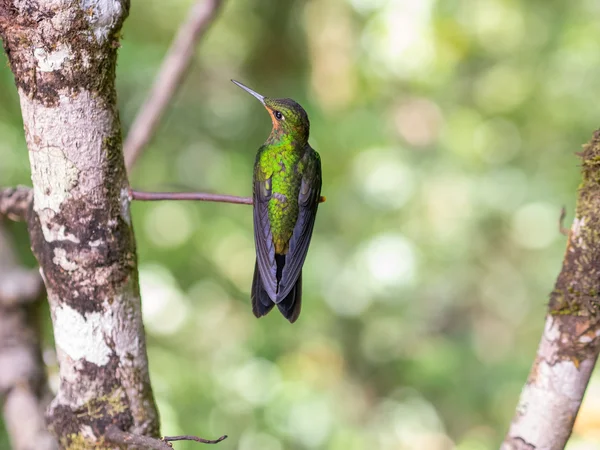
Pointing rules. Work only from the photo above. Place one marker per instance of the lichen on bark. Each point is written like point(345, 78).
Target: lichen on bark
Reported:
point(63, 56)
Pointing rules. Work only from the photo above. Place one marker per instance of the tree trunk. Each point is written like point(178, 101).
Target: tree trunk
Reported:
point(63, 56)
point(570, 343)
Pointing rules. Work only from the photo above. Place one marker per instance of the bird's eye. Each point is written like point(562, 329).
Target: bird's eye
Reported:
point(278, 115)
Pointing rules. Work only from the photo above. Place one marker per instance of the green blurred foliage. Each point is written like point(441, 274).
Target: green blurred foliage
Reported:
point(448, 132)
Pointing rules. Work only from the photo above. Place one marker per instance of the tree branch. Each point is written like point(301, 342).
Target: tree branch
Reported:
point(25, 192)
point(195, 196)
point(570, 342)
point(117, 436)
point(188, 437)
point(169, 78)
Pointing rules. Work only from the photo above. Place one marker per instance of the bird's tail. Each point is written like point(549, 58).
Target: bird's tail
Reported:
point(262, 304)
point(291, 305)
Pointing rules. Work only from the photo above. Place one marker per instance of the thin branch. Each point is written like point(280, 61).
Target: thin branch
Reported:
point(117, 436)
point(20, 199)
point(169, 78)
point(193, 438)
point(15, 202)
point(193, 196)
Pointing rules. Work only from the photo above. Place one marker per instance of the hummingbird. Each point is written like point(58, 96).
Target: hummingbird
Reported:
point(286, 194)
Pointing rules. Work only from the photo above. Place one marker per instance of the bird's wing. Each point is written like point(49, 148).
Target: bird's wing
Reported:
point(308, 202)
point(263, 239)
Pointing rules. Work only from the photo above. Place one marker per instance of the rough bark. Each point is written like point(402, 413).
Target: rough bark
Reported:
point(63, 54)
point(571, 340)
point(23, 386)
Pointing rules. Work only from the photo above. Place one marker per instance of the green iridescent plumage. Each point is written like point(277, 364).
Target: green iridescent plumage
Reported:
point(286, 194)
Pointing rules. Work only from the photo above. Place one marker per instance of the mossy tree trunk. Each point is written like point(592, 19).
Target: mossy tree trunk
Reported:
point(571, 340)
point(63, 55)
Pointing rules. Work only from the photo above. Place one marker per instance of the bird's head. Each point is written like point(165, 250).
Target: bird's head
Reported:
point(288, 117)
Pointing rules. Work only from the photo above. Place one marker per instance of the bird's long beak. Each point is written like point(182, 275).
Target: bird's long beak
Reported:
point(261, 98)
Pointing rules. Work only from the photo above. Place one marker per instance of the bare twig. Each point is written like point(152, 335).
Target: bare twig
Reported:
point(570, 342)
point(169, 78)
point(117, 436)
point(196, 196)
point(25, 198)
point(15, 202)
point(194, 438)
point(193, 196)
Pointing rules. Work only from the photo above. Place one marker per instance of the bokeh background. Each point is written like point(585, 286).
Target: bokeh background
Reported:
point(448, 131)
